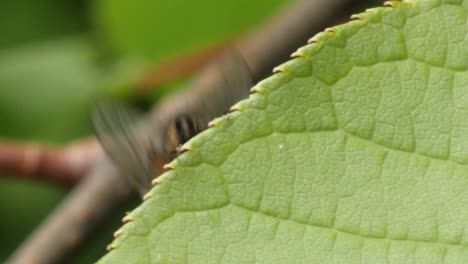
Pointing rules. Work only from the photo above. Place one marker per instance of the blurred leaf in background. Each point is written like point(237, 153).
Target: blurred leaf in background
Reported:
point(28, 20)
point(46, 89)
point(157, 29)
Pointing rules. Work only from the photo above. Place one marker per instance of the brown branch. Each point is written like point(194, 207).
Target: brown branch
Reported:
point(88, 203)
point(179, 66)
point(287, 31)
point(62, 165)
point(101, 190)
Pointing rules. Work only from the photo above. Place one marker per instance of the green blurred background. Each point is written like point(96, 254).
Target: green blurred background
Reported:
point(56, 56)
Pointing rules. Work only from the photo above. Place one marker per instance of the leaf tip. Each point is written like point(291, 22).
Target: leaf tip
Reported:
point(211, 123)
point(296, 54)
point(393, 3)
point(277, 69)
point(184, 148)
point(236, 107)
point(257, 89)
point(127, 218)
point(147, 196)
point(111, 247)
point(118, 233)
point(155, 182)
point(312, 40)
point(168, 167)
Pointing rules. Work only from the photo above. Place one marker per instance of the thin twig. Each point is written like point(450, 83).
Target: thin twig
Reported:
point(287, 31)
point(97, 194)
point(179, 66)
point(62, 165)
point(88, 203)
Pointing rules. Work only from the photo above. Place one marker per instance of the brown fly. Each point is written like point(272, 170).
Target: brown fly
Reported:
point(140, 147)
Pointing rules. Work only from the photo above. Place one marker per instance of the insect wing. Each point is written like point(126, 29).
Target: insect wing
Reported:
point(211, 94)
point(120, 134)
point(235, 85)
point(232, 86)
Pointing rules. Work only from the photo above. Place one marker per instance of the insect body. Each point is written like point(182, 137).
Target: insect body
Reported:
point(141, 147)
point(180, 131)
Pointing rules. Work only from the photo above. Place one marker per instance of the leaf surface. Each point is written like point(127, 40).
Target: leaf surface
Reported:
point(356, 151)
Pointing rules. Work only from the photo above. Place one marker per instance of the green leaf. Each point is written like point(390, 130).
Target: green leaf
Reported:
point(355, 152)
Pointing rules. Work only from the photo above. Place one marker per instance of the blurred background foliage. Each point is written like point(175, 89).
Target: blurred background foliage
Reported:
point(57, 56)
